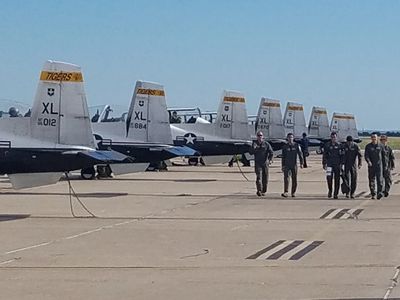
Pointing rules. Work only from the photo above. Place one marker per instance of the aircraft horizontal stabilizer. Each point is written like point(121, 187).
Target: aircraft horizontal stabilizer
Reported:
point(216, 159)
point(107, 157)
point(182, 151)
point(28, 180)
point(120, 169)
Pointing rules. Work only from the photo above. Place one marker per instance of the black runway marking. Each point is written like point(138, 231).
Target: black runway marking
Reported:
point(339, 213)
point(281, 252)
point(327, 213)
point(361, 194)
point(357, 212)
point(294, 250)
point(306, 250)
point(254, 256)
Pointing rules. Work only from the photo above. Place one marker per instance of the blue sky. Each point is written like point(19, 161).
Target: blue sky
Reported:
point(344, 55)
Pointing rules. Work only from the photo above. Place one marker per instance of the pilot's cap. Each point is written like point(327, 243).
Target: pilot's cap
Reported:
point(13, 111)
point(349, 138)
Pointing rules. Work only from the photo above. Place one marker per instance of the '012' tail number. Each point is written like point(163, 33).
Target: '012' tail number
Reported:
point(47, 122)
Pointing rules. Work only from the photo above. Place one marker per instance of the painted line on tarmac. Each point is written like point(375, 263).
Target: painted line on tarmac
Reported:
point(9, 261)
point(286, 250)
point(69, 237)
point(100, 229)
point(30, 247)
point(395, 281)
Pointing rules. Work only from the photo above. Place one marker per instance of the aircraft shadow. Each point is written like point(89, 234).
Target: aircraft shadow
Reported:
point(164, 180)
point(81, 195)
point(6, 217)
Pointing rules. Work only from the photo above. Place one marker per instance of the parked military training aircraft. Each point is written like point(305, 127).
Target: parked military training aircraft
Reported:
point(57, 137)
point(217, 142)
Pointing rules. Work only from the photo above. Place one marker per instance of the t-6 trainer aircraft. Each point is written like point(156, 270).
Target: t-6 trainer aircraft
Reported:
point(142, 133)
point(57, 137)
point(217, 142)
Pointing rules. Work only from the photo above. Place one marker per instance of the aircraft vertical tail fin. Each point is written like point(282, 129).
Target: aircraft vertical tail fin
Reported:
point(231, 121)
point(344, 124)
point(294, 120)
point(148, 118)
point(269, 119)
point(60, 113)
point(319, 123)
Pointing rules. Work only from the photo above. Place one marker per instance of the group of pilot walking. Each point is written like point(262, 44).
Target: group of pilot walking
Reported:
point(340, 161)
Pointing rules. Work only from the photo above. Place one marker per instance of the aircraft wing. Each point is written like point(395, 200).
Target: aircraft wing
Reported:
point(233, 142)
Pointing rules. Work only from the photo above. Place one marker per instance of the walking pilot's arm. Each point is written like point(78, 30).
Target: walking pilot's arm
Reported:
point(359, 157)
point(270, 153)
point(325, 157)
point(300, 154)
point(253, 148)
point(366, 156)
point(283, 157)
point(342, 154)
point(391, 159)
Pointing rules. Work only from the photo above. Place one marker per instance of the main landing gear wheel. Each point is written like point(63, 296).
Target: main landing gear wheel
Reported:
point(193, 161)
point(104, 171)
point(88, 173)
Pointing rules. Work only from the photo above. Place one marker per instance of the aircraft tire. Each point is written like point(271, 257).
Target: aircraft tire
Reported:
point(193, 161)
point(108, 171)
point(88, 173)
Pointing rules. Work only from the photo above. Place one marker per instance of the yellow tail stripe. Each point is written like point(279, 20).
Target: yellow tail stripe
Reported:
point(269, 104)
point(61, 76)
point(295, 108)
point(234, 99)
point(320, 112)
point(151, 92)
point(344, 117)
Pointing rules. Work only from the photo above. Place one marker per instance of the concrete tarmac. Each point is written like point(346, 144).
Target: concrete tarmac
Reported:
point(199, 233)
